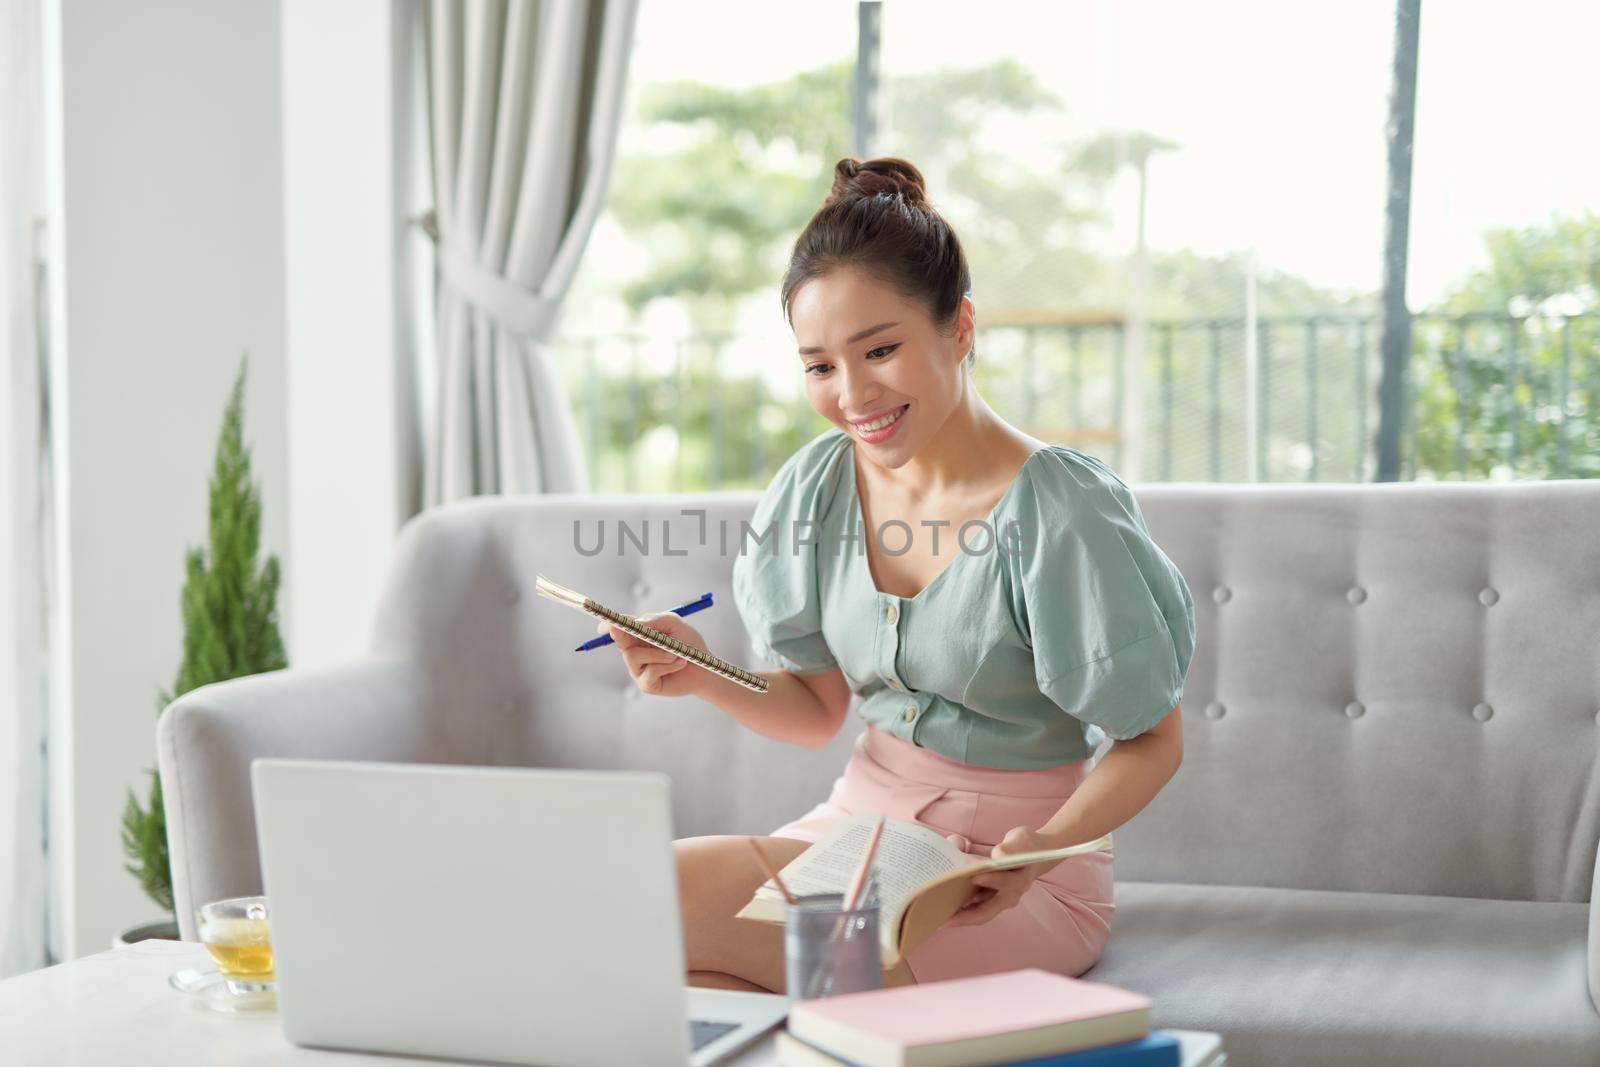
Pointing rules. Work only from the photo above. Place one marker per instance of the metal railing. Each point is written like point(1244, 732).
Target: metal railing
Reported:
point(1488, 396)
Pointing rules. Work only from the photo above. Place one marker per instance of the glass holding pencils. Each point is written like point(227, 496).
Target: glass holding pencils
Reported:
point(829, 949)
point(830, 940)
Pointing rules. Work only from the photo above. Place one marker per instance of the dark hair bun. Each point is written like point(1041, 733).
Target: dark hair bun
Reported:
point(853, 178)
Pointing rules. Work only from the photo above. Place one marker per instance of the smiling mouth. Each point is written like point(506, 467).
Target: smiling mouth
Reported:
point(882, 422)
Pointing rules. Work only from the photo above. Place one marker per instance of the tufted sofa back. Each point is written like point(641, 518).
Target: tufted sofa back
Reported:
point(1396, 688)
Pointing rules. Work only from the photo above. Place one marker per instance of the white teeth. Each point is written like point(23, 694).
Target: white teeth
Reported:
point(878, 424)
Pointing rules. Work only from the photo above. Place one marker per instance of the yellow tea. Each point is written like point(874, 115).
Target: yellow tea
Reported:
point(240, 947)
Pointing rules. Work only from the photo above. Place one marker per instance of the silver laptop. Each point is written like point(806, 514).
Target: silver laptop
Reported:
point(485, 913)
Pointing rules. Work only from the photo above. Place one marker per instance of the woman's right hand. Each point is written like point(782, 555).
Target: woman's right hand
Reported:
point(655, 670)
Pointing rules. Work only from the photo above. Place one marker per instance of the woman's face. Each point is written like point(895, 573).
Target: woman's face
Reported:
point(874, 364)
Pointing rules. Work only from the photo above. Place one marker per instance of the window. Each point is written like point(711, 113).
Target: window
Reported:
point(1175, 219)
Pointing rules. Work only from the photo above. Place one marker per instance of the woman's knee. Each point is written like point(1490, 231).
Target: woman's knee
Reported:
point(709, 871)
point(717, 875)
point(721, 868)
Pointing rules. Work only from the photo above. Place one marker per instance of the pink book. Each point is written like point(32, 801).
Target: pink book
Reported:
point(966, 1021)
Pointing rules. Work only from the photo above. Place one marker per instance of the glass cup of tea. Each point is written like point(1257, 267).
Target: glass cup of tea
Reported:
point(234, 932)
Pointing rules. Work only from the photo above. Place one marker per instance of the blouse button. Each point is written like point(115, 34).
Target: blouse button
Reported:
point(1488, 597)
point(1215, 710)
point(1222, 594)
point(911, 712)
point(1482, 712)
point(1356, 594)
point(1355, 709)
point(891, 614)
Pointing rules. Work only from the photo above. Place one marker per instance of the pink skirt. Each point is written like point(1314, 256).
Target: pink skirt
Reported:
point(1063, 920)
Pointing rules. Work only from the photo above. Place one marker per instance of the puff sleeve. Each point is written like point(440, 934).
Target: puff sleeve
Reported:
point(776, 580)
point(1109, 617)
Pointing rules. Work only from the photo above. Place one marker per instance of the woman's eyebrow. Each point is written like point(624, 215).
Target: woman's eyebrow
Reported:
point(853, 338)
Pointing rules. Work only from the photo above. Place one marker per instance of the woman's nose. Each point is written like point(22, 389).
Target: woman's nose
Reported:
point(857, 393)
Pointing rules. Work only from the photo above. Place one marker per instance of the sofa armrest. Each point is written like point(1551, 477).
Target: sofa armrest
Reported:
point(206, 739)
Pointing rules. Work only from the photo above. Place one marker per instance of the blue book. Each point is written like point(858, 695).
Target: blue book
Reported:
point(1157, 1049)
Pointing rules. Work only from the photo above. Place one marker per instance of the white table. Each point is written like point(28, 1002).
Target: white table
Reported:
point(115, 1007)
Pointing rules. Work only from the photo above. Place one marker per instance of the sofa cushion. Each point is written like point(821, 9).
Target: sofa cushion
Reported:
point(1314, 977)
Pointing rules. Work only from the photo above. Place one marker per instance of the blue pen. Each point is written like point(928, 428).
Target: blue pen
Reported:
point(690, 608)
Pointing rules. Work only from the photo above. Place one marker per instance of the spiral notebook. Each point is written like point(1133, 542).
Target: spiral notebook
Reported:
point(700, 658)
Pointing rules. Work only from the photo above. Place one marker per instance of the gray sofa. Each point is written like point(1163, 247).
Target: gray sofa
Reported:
point(1381, 847)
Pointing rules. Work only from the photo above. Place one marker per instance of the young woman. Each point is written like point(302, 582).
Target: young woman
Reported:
point(990, 664)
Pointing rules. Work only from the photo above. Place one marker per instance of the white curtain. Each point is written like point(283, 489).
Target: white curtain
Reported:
point(524, 102)
point(25, 515)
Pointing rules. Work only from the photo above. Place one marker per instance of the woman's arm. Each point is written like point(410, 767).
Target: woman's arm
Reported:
point(801, 709)
point(1125, 780)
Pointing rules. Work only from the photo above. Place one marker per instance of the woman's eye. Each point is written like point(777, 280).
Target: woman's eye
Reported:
point(813, 368)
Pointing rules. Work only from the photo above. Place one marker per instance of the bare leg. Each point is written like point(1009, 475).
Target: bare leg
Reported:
point(716, 877)
point(718, 980)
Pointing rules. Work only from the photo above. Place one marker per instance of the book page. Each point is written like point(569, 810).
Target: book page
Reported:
point(908, 856)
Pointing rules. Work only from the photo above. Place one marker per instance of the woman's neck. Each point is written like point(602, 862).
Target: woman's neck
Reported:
point(969, 452)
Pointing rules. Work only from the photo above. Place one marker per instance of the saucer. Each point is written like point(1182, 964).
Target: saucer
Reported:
point(208, 988)
point(218, 997)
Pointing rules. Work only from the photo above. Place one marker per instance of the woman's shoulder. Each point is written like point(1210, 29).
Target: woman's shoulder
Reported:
point(1066, 487)
point(823, 451)
point(807, 481)
point(1092, 584)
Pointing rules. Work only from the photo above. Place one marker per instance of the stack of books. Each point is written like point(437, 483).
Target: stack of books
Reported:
point(1025, 1018)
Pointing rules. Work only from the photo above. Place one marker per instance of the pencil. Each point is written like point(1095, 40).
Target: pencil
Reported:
point(823, 976)
point(860, 878)
point(772, 872)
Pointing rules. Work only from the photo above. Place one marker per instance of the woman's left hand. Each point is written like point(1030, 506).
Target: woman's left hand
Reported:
point(995, 891)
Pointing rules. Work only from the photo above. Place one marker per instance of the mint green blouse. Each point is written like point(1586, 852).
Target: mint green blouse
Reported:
point(1061, 625)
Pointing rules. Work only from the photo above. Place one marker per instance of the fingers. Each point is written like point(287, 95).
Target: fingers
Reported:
point(660, 620)
point(622, 638)
point(647, 664)
point(626, 641)
point(980, 908)
point(980, 896)
point(1015, 881)
point(642, 655)
point(984, 905)
point(1017, 839)
point(650, 677)
point(992, 893)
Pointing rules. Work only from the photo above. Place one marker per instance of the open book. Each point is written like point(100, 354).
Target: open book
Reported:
point(922, 878)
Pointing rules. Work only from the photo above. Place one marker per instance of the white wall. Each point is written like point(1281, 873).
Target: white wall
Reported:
point(347, 193)
point(23, 557)
point(232, 175)
point(170, 132)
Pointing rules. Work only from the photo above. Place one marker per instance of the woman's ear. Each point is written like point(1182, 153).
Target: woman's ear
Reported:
point(966, 326)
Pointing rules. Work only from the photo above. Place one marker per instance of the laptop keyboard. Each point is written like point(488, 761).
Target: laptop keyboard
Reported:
point(702, 1032)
